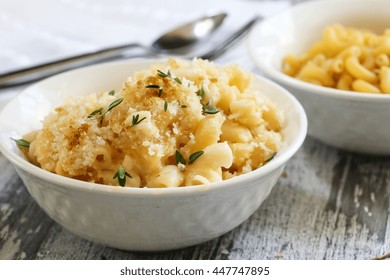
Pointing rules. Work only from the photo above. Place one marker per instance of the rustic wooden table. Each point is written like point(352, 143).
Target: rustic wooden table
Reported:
point(328, 204)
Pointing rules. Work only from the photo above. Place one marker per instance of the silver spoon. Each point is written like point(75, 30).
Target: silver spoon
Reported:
point(174, 40)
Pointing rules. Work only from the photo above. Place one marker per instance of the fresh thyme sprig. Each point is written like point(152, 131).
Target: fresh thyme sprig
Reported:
point(21, 142)
point(163, 75)
point(97, 111)
point(195, 156)
point(121, 174)
point(160, 89)
point(208, 108)
point(168, 75)
point(179, 158)
point(153, 86)
point(201, 93)
point(113, 105)
point(165, 106)
point(136, 120)
point(100, 110)
point(111, 92)
point(181, 105)
point(270, 158)
point(177, 80)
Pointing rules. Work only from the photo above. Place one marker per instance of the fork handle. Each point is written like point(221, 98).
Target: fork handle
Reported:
point(40, 71)
point(225, 45)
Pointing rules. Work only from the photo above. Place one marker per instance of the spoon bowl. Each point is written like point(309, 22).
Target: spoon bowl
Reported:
point(189, 34)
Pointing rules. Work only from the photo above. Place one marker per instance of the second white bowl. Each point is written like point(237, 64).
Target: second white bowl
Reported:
point(343, 119)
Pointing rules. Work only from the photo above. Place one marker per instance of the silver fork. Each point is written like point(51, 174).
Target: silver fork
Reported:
point(33, 74)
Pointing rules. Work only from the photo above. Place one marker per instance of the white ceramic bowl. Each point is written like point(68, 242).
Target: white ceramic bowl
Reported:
point(133, 218)
point(344, 119)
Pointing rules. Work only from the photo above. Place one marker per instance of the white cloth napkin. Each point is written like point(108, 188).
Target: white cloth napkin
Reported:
point(33, 32)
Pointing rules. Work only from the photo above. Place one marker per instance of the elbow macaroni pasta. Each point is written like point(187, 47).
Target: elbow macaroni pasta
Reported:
point(143, 133)
point(346, 59)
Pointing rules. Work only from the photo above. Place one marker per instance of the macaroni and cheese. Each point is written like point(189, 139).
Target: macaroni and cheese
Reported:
point(175, 124)
point(345, 58)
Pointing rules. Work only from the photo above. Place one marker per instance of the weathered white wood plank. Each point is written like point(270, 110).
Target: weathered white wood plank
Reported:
point(23, 225)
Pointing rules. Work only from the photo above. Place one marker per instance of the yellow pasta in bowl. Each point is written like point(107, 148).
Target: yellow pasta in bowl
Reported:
point(175, 124)
point(345, 58)
point(329, 53)
point(212, 129)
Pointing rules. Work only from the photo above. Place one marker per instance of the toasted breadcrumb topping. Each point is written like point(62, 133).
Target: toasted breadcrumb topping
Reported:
point(145, 130)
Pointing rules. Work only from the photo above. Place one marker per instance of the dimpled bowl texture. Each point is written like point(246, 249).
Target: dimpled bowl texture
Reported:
point(344, 119)
point(139, 218)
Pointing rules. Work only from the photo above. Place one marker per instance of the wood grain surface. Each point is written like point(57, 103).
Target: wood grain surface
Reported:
point(328, 204)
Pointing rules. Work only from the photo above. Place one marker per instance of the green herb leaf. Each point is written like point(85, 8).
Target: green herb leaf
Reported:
point(168, 75)
point(100, 110)
point(153, 86)
point(110, 107)
point(195, 156)
point(270, 158)
point(97, 111)
point(160, 89)
point(201, 93)
point(181, 105)
point(121, 174)
point(208, 108)
point(136, 120)
point(165, 106)
point(111, 92)
point(113, 105)
point(180, 158)
point(163, 75)
point(22, 142)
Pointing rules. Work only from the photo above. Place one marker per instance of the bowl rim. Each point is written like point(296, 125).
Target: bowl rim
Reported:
point(284, 79)
point(80, 185)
